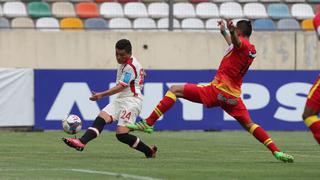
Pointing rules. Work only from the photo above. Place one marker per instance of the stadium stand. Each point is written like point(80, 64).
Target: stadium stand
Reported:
point(231, 10)
point(127, 1)
point(120, 23)
point(71, 23)
point(183, 10)
point(221, 1)
point(254, 11)
point(152, 1)
point(211, 24)
point(163, 23)
point(268, 1)
point(206, 10)
point(302, 11)
point(294, 1)
point(111, 10)
point(48, 23)
point(158, 10)
point(264, 24)
point(278, 11)
point(95, 23)
point(22, 22)
point(307, 25)
point(192, 23)
point(63, 9)
point(288, 24)
point(4, 23)
point(14, 9)
point(135, 10)
point(39, 9)
point(144, 23)
point(203, 10)
point(87, 10)
point(247, 1)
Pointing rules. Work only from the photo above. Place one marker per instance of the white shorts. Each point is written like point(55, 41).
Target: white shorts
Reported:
point(124, 110)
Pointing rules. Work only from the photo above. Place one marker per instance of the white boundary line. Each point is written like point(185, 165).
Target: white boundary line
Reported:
point(114, 174)
point(88, 171)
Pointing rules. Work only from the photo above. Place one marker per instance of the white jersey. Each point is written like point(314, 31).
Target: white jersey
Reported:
point(131, 75)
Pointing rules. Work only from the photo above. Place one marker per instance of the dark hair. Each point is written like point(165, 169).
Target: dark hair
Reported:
point(245, 27)
point(124, 44)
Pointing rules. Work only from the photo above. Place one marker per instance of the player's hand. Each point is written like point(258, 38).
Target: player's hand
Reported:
point(95, 96)
point(221, 25)
point(230, 25)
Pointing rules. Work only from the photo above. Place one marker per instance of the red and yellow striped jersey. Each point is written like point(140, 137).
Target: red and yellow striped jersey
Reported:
point(233, 67)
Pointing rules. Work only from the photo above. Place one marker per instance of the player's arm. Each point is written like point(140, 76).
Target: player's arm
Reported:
point(234, 37)
point(114, 90)
point(123, 83)
point(223, 31)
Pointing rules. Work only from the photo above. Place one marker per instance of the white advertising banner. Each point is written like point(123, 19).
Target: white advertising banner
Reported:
point(17, 97)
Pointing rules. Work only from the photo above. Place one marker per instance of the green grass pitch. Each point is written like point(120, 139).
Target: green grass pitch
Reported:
point(182, 155)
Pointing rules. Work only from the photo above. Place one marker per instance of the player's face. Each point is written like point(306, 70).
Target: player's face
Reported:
point(122, 55)
point(238, 31)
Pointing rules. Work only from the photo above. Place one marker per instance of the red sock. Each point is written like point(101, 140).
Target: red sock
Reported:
point(314, 125)
point(263, 137)
point(164, 105)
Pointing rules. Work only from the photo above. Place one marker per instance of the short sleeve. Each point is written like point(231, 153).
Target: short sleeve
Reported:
point(127, 76)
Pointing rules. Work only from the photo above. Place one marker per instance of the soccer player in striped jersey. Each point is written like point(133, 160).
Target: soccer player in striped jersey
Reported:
point(224, 90)
point(125, 108)
point(312, 107)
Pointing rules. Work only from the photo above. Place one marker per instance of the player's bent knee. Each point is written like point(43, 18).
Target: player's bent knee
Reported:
point(176, 89)
point(173, 89)
point(122, 130)
point(107, 118)
point(306, 114)
point(309, 112)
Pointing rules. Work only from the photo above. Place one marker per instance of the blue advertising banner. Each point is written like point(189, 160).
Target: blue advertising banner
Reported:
point(275, 99)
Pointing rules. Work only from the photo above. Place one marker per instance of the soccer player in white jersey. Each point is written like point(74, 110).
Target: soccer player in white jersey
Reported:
point(125, 108)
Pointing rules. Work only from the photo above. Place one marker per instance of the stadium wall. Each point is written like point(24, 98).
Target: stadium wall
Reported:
point(84, 61)
point(41, 98)
point(275, 99)
point(17, 97)
point(155, 50)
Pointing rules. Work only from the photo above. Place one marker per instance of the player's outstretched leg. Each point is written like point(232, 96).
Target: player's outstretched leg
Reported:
point(74, 143)
point(136, 143)
point(164, 105)
point(141, 126)
point(312, 110)
point(283, 157)
point(91, 133)
point(262, 136)
point(313, 123)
